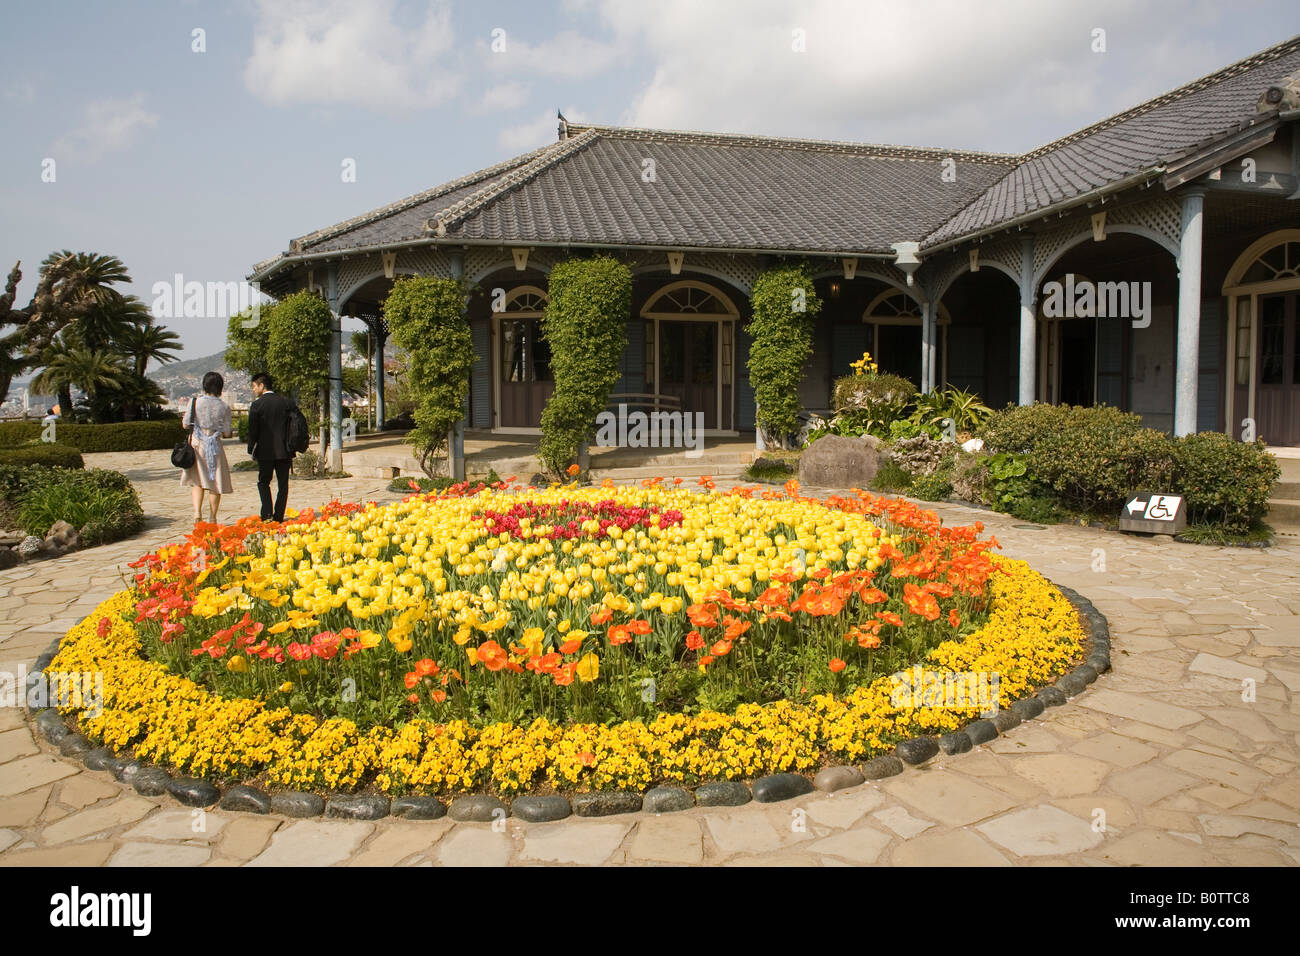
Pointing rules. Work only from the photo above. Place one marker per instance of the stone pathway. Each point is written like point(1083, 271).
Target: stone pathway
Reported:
point(1168, 760)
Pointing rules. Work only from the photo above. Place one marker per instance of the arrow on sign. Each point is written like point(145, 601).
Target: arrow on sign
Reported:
point(1136, 506)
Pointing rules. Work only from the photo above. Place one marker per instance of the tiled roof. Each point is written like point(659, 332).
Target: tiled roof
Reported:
point(1146, 137)
point(725, 192)
point(736, 192)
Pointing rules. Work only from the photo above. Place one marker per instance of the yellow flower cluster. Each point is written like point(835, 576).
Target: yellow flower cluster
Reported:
point(1032, 634)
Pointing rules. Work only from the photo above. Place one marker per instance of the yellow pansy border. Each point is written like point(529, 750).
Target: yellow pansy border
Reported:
point(1032, 635)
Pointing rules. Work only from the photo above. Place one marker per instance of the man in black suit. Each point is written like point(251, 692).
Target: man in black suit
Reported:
point(268, 444)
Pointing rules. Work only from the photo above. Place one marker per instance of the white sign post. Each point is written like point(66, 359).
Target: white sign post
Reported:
point(1154, 513)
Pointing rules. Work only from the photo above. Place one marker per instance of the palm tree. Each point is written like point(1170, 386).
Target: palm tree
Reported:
point(74, 294)
point(104, 325)
point(71, 365)
point(145, 342)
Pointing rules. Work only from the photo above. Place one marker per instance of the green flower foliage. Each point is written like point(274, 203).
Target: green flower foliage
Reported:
point(113, 436)
point(298, 345)
point(785, 305)
point(426, 318)
point(586, 325)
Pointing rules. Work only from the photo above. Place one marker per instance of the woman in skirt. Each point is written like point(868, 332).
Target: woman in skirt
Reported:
point(210, 471)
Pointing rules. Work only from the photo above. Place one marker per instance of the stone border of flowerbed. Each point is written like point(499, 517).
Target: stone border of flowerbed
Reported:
point(149, 780)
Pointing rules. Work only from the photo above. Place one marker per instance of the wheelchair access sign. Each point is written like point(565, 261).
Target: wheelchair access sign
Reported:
point(1154, 513)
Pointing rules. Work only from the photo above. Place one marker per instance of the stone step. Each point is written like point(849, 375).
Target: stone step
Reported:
point(688, 473)
point(1284, 512)
point(1286, 489)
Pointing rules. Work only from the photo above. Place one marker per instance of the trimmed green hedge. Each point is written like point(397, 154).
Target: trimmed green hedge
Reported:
point(586, 325)
point(101, 504)
point(1090, 459)
point(49, 454)
point(118, 436)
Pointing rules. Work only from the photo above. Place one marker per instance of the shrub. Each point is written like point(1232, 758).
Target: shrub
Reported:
point(427, 319)
point(890, 478)
point(49, 454)
point(1075, 452)
point(100, 503)
point(933, 487)
point(586, 325)
point(962, 409)
point(118, 436)
point(1225, 482)
point(785, 304)
point(874, 399)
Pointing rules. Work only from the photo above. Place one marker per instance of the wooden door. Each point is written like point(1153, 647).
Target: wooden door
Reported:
point(525, 376)
point(1277, 397)
point(688, 366)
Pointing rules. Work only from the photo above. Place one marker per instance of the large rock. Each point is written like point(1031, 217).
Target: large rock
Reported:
point(9, 558)
point(30, 546)
point(834, 461)
point(64, 535)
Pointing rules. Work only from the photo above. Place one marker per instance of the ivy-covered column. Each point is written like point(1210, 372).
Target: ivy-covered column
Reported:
point(427, 319)
point(785, 306)
point(456, 440)
point(586, 325)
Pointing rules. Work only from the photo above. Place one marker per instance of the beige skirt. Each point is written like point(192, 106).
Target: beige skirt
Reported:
point(196, 476)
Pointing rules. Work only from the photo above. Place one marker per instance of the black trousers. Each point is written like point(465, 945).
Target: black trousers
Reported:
point(264, 470)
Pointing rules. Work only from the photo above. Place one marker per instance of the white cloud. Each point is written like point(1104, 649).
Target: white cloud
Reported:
point(502, 96)
point(107, 126)
point(21, 91)
point(342, 52)
point(567, 54)
point(541, 131)
point(930, 72)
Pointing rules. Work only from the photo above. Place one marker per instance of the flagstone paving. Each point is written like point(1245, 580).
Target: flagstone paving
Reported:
point(1185, 754)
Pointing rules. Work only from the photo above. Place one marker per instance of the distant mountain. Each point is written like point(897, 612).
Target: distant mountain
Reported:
point(185, 378)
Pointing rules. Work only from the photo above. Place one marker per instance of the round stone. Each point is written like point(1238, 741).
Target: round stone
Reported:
point(1071, 685)
point(74, 745)
point(606, 804)
point(1028, 708)
point(917, 750)
point(151, 781)
point(477, 808)
point(956, 742)
point(246, 800)
point(193, 792)
point(830, 779)
point(295, 803)
point(29, 546)
point(981, 731)
point(667, 800)
point(357, 806)
point(98, 758)
point(1085, 672)
point(418, 808)
point(722, 793)
point(42, 662)
point(1004, 720)
point(881, 767)
point(1099, 662)
point(1051, 696)
point(51, 725)
point(781, 786)
point(540, 809)
point(125, 770)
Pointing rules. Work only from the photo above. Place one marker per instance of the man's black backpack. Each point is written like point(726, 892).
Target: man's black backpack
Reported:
point(297, 437)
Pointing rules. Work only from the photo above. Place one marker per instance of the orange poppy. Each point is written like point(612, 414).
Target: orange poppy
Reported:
point(836, 665)
point(694, 641)
point(721, 648)
point(603, 616)
point(492, 655)
point(954, 618)
point(571, 647)
point(619, 634)
point(703, 615)
point(438, 696)
point(734, 627)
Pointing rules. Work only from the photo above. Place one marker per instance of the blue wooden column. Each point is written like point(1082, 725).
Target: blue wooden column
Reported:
point(1028, 323)
point(1189, 311)
point(335, 461)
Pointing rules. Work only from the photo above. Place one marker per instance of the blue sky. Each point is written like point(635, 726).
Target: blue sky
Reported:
point(203, 163)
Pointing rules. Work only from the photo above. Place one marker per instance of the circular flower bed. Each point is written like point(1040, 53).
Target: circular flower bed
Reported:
point(591, 638)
